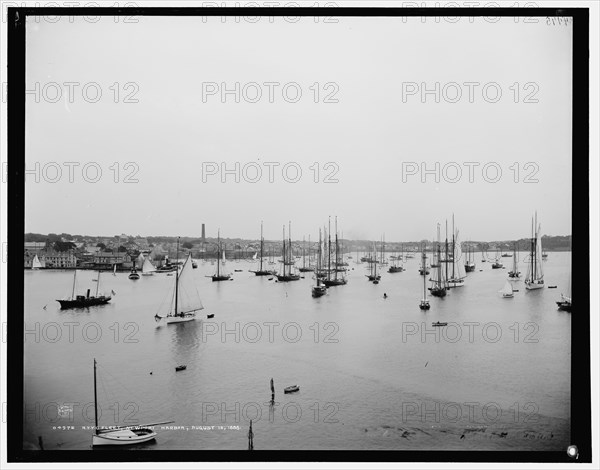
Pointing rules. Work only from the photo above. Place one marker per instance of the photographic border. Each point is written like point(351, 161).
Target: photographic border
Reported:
point(580, 254)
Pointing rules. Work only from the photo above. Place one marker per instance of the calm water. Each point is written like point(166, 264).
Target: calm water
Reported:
point(368, 377)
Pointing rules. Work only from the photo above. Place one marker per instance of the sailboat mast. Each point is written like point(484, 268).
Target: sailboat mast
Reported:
point(95, 399)
point(304, 252)
point(329, 251)
point(176, 276)
point(336, 249)
point(453, 248)
point(290, 250)
point(446, 257)
point(262, 242)
point(74, 276)
point(97, 283)
point(218, 251)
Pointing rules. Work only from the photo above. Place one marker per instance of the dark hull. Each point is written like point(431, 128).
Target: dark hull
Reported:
point(373, 278)
point(84, 302)
point(564, 306)
point(219, 278)
point(317, 292)
point(395, 269)
point(306, 270)
point(263, 273)
point(469, 269)
point(334, 282)
point(438, 292)
point(494, 266)
point(286, 278)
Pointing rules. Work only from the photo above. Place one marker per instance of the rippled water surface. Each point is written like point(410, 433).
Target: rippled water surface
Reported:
point(373, 373)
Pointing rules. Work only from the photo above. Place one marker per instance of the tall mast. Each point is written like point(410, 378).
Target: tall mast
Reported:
point(176, 276)
point(290, 250)
point(97, 283)
point(283, 257)
point(262, 241)
point(336, 249)
point(95, 399)
point(446, 257)
point(453, 248)
point(74, 276)
point(304, 252)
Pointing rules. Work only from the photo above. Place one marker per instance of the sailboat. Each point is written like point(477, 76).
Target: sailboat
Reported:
point(424, 305)
point(134, 275)
point(514, 273)
point(304, 268)
point(320, 289)
point(115, 269)
point(438, 287)
point(81, 301)
point(120, 435)
point(186, 301)
point(535, 275)
point(395, 268)
point(286, 266)
point(373, 276)
point(507, 290)
point(470, 263)
point(218, 276)
point(338, 278)
point(458, 275)
point(565, 300)
point(261, 271)
point(497, 264)
point(148, 268)
point(36, 263)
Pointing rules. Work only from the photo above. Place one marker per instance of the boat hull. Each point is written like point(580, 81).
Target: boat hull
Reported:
point(286, 278)
point(319, 291)
point(533, 285)
point(124, 437)
point(333, 282)
point(220, 278)
point(84, 302)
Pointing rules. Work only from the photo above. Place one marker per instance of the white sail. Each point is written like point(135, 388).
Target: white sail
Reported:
point(507, 290)
point(36, 264)
point(255, 256)
point(188, 299)
point(148, 267)
point(140, 260)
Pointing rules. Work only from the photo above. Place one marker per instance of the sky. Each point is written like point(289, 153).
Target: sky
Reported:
point(360, 132)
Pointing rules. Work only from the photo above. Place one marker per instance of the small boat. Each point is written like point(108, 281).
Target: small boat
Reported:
point(497, 264)
point(551, 287)
point(218, 276)
point(183, 310)
point(148, 268)
point(514, 273)
point(291, 389)
point(319, 290)
point(181, 367)
point(194, 265)
point(507, 290)
point(133, 275)
point(120, 435)
point(238, 270)
point(36, 263)
point(439, 323)
point(210, 315)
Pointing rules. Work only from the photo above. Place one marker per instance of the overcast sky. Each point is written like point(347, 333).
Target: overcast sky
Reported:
point(368, 136)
